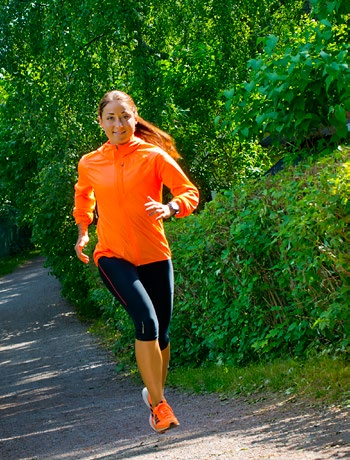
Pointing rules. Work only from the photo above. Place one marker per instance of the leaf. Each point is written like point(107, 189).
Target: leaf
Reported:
point(217, 120)
point(260, 118)
point(325, 22)
point(270, 44)
point(289, 95)
point(295, 58)
point(329, 80)
point(272, 115)
point(228, 104)
point(249, 86)
point(228, 93)
point(245, 132)
point(273, 76)
point(324, 55)
point(255, 64)
point(340, 114)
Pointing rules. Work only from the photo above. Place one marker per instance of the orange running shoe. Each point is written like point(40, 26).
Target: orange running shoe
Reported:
point(162, 418)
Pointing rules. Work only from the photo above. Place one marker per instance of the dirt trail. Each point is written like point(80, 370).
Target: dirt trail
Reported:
point(61, 399)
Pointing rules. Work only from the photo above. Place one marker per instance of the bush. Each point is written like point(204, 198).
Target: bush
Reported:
point(263, 271)
point(299, 86)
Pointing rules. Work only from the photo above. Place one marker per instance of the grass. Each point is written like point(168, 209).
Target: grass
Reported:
point(321, 380)
point(10, 263)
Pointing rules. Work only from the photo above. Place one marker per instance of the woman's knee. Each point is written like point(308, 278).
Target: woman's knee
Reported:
point(163, 341)
point(147, 330)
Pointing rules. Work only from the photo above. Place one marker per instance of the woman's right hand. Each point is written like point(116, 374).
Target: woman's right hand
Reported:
point(83, 240)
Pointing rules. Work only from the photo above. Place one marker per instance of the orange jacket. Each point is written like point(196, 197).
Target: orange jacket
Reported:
point(120, 179)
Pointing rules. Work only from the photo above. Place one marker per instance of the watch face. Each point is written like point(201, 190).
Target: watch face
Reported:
point(174, 206)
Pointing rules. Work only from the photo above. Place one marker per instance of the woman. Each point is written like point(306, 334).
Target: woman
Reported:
point(125, 178)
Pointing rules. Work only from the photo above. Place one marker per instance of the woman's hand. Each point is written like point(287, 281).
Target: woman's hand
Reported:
point(160, 210)
point(83, 240)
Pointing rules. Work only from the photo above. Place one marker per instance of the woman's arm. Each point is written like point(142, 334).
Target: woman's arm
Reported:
point(83, 239)
point(85, 203)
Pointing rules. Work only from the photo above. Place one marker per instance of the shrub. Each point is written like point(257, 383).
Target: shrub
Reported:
point(263, 271)
point(299, 86)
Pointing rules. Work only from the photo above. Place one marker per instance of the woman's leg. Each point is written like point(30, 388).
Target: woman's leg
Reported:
point(150, 363)
point(158, 280)
point(165, 363)
point(122, 279)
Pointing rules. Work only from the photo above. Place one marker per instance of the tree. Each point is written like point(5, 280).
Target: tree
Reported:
point(58, 59)
point(298, 87)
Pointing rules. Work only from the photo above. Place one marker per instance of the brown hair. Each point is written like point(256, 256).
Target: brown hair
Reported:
point(144, 129)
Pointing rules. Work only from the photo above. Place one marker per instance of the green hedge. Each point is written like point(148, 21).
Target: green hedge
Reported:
point(263, 271)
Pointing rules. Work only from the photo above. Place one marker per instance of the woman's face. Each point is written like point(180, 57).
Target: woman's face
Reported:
point(118, 121)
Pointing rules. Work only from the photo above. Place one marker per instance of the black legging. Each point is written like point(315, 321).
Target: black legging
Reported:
point(146, 292)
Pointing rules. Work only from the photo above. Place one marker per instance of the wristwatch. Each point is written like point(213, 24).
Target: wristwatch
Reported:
point(174, 207)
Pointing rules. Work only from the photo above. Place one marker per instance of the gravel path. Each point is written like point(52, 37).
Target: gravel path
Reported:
point(61, 399)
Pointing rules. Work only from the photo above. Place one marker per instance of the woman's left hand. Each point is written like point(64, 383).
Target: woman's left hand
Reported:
point(160, 210)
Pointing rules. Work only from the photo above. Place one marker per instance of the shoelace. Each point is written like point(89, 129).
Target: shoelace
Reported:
point(164, 410)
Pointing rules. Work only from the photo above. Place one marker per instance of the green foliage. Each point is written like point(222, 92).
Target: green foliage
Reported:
point(209, 48)
point(263, 271)
point(176, 59)
point(57, 60)
point(299, 86)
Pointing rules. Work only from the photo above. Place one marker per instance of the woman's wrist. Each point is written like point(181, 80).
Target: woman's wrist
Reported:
point(174, 207)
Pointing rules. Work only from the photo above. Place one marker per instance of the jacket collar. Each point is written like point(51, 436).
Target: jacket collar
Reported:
point(110, 150)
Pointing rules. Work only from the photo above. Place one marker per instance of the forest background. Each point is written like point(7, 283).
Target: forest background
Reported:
point(262, 268)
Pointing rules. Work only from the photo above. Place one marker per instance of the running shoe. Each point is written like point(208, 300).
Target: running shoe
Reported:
point(162, 418)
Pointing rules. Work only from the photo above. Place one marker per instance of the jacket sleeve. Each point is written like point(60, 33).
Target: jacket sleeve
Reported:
point(184, 193)
point(84, 198)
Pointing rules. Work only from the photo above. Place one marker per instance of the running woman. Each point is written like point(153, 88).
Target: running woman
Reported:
point(125, 178)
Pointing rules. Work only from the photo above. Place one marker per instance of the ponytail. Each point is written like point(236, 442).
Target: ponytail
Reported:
point(150, 133)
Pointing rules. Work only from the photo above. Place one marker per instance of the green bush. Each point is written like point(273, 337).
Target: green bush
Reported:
point(263, 271)
point(299, 86)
